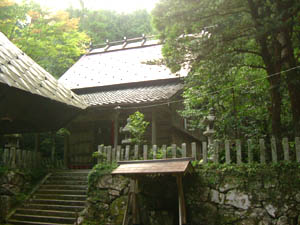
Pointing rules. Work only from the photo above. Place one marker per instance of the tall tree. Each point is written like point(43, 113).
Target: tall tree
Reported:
point(104, 24)
point(229, 35)
point(51, 39)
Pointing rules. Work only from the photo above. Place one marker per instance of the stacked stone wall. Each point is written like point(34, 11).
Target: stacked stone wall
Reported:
point(214, 195)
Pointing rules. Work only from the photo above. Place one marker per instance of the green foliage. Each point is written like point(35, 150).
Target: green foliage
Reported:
point(98, 171)
point(91, 222)
point(35, 175)
point(101, 156)
point(30, 178)
point(19, 198)
point(27, 142)
point(3, 170)
point(234, 48)
point(137, 127)
point(103, 24)
point(51, 39)
point(169, 152)
point(246, 173)
point(63, 132)
point(273, 181)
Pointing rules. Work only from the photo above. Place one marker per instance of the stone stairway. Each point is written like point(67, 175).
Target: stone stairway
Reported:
point(57, 201)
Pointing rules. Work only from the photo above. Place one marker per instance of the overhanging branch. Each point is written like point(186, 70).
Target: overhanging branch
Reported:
point(253, 66)
point(247, 51)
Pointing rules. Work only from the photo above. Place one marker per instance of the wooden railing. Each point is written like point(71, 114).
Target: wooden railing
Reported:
point(228, 151)
point(13, 157)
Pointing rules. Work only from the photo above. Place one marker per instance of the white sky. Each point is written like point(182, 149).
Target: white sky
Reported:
point(126, 6)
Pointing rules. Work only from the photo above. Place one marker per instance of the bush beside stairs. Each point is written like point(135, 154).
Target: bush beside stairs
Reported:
point(57, 201)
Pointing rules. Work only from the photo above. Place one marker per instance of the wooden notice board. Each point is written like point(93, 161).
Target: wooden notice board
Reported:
point(177, 167)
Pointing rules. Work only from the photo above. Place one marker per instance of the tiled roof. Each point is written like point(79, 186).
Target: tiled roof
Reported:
point(145, 92)
point(118, 65)
point(19, 71)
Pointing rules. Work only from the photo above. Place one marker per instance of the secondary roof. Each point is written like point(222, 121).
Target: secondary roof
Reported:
point(30, 98)
point(134, 93)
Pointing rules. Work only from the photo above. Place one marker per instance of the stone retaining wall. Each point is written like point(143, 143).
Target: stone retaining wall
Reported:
point(243, 195)
point(264, 196)
point(11, 184)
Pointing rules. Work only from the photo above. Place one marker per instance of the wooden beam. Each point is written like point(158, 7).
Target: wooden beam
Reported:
point(181, 203)
point(126, 214)
point(135, 211)
point(116, 128)
point(154, 128)
point(53, 145)
point(156, 160)
point(66, 150)
point(36, 148)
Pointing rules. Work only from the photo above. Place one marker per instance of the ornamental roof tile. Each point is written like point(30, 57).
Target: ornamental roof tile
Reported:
point(19, 71)
point(145, 92)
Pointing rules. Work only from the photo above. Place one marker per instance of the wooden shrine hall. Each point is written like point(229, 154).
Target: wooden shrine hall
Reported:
point(115, 81)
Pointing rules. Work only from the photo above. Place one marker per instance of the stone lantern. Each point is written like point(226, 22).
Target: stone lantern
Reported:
point(125, 130)
point(209, 133)
point(12, 140)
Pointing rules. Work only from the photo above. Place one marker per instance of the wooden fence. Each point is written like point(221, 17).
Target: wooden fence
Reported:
point(12, 157)
point(227, 151)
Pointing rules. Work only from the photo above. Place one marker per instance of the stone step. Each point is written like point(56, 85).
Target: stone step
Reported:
point(55, 207)
point(58, 202)
point(63, 187)
point(79, 178)
point(52, 219)
point(62, 197)
point(65, 192)
point(66, 182)
point(38, 212)
point(19, 222)
point(74, 174)
point(74, 171)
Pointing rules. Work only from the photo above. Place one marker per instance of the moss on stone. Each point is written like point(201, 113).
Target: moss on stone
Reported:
point(117, 209)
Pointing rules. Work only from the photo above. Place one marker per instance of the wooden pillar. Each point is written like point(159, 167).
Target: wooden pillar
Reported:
point(36, 148)
point(66, 150)
point(135, 211)
point(116, 126)
point(53, 145)
point(154, 128)
point(181, 203)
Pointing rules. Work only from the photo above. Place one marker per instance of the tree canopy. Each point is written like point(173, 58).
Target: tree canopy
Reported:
point(56, 40)
point(105, 25)
point(244, 59)
point(51, 39)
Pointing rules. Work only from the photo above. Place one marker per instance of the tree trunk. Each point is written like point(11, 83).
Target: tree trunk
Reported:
point(271, 54)
point(293, 81)
point(288, 10)
point(275, 106)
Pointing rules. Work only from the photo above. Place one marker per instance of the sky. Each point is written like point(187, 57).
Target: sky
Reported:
point(125, 6)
